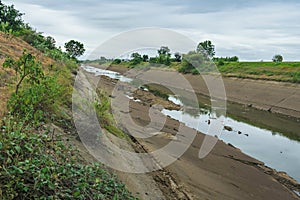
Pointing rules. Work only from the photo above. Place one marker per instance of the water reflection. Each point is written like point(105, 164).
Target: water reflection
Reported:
point(272, 148)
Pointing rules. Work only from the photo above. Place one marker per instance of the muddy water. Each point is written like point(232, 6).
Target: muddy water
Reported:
point(270, 138)
point(274, 148)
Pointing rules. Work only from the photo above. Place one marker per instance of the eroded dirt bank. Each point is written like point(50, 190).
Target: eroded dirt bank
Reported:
point(226, 173)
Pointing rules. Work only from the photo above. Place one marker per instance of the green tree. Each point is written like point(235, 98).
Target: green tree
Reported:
point(177, 57)
point(117, 61)
point(206, 48)
point(277, 58)
point(74, 48)
point(194, 63)
point(163, 50)
point(164, 55)
point(136, 58)
point(49, 42)
point(9, 15)
point(145, 58)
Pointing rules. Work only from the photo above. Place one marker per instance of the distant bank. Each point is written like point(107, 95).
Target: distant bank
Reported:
point(272, 96)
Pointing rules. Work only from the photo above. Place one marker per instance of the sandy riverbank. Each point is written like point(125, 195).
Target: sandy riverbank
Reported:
point(226, 173)
point(276, 97)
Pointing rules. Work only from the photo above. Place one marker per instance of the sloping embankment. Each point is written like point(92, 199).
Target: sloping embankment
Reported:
point(277, 97)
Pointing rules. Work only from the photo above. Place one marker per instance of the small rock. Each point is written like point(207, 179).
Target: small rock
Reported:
point(74, 72)
point(228, 128)
point(247, 135)
point(239, 132)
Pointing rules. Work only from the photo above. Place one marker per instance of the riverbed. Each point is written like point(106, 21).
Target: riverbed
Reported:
point(277, 149)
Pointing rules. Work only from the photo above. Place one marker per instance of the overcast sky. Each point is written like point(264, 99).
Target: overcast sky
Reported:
point(252, 30)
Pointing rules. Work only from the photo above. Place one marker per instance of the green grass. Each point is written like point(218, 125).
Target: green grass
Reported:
point(103, 110)
point(285, 71)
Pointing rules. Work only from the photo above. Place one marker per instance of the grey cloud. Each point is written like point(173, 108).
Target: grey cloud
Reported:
point(253, 30)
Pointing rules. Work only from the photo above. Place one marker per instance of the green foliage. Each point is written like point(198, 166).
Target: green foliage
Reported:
point(153, 60)
point(206, 48)
point(41, 165)
point(164, 56)
point(226, 59)
point(36, 102)
point(163, 50)
point(145, 58)
point(74, 48)
point(284, 71)
point(11, 22)
point(221, 63)
point(34, 162)
point(195, 63)
point(26, 69)
point(5, 27)
point(104, 115)
point(36, 95)
point(177, 57)
point(277, 58)
point(116, 61)
point(10, 18)
point(136, 58)
point(102, 60)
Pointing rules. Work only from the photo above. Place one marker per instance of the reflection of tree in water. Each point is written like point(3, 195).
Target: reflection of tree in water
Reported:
point(190, 107)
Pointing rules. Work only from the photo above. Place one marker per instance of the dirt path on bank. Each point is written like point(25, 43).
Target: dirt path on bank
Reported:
point(226, 173)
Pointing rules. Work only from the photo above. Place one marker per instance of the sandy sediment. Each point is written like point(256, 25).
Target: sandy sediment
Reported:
point(272, 96)
point(226, 173)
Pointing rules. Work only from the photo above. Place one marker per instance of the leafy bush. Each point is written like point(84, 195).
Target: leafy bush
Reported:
point(194, 63)
point(136, 59)
point(26, 69)
point(221, 63)
point(35, 94)
point(116, 61)
point(40, 165)
point(36, 102)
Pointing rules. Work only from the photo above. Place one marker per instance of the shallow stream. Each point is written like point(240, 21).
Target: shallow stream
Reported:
point(270, 138)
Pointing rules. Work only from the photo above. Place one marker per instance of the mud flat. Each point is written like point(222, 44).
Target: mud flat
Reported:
point(226, 173)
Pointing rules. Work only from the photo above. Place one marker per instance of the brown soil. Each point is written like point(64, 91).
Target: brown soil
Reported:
point(13, 47)
point(272, 96)
point(226, 173)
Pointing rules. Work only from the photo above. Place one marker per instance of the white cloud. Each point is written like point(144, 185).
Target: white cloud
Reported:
point(251, 32)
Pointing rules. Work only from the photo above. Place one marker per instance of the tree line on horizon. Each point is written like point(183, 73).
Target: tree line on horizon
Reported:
point(164, 56)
